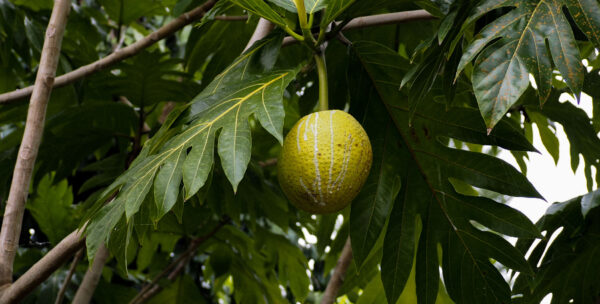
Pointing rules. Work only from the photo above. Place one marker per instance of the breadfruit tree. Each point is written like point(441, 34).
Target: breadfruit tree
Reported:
point(141, 151)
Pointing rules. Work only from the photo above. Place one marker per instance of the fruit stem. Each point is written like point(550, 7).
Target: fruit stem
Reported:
point(323, 88)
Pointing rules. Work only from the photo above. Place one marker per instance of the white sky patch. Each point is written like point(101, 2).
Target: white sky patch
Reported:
point(556, 183)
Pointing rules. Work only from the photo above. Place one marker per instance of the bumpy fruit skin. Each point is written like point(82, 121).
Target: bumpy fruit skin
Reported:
point(325, 160)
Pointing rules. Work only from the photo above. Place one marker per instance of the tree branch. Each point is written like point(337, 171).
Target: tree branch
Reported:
point(67, 280)
point(41, 270)
point(189, 17)
point(34, 127)
point(176, 267)
point(376, 20)
point(337, 279)
point(92, 276)
point(120, 54)
point(263, 28)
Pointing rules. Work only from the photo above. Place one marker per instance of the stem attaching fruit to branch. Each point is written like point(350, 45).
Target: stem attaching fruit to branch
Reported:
point(323, 86)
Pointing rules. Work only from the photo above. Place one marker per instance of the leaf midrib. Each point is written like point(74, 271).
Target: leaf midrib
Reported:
point(161, 157)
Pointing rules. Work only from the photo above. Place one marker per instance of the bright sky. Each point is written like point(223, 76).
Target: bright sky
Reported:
point(556, 183)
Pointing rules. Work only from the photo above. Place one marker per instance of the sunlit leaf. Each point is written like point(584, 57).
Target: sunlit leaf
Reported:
point(502, 70)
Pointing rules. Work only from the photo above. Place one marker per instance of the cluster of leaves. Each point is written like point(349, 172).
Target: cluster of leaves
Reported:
point(432, 113)
point(565, 259)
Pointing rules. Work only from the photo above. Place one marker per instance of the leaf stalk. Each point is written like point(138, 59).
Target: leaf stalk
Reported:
point(323, 86)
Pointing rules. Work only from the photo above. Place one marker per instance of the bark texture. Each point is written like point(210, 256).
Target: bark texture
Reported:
point(32, 136)
point(41, 270)
point(337, 279)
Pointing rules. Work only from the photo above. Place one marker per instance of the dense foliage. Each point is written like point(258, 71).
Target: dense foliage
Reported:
point(178, 142)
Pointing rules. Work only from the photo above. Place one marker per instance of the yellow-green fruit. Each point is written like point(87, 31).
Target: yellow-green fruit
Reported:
point(325, 160)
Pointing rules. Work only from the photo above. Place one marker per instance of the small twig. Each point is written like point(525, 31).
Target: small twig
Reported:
point(268, 162)
point(119, 44)
point(232, 18)
point(67, 280)
point(337, 279)
point(32, 137)
point(176, 267)
point(340, 36)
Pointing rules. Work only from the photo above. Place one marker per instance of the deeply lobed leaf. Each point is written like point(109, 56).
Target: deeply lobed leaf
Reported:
point(514, 46)
point(428, 198)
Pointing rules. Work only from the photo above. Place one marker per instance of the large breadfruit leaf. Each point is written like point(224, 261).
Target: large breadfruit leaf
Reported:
point(182, 152)
point(425, 164)
point(535, 37)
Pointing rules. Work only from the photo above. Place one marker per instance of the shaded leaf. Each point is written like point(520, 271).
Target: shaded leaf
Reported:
point(567, 269)
point(52, 208)
point(226, 107)
point(183, 290)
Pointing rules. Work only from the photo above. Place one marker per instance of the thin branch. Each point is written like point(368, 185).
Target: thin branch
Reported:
point(120, 54)
point(92, 276)
point(176, 267)
point(67, 280)
point(232, 18)
point(263, 28)
point(34, 127)
point(337, 279)
point(41, 270)
point(376, 20)
point(267, 163)
point(187, 18)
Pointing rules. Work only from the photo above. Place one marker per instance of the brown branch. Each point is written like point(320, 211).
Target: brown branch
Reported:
point(337, 279)
point(41, 270)
point(267, 163)
point(376, 20)
point(67, 280)
point(187, 18)
point(92, 277)
point(176, 267)
point(120, 54)
point(34, 127)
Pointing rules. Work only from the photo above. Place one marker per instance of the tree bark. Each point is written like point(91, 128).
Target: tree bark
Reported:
point(41, 270)
point(34, 128)
point(337, 279)
point(263, 28)
point(120, 54)
point(92, 276)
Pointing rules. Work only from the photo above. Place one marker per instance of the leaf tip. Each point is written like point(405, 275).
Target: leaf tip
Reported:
point(489, 130)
